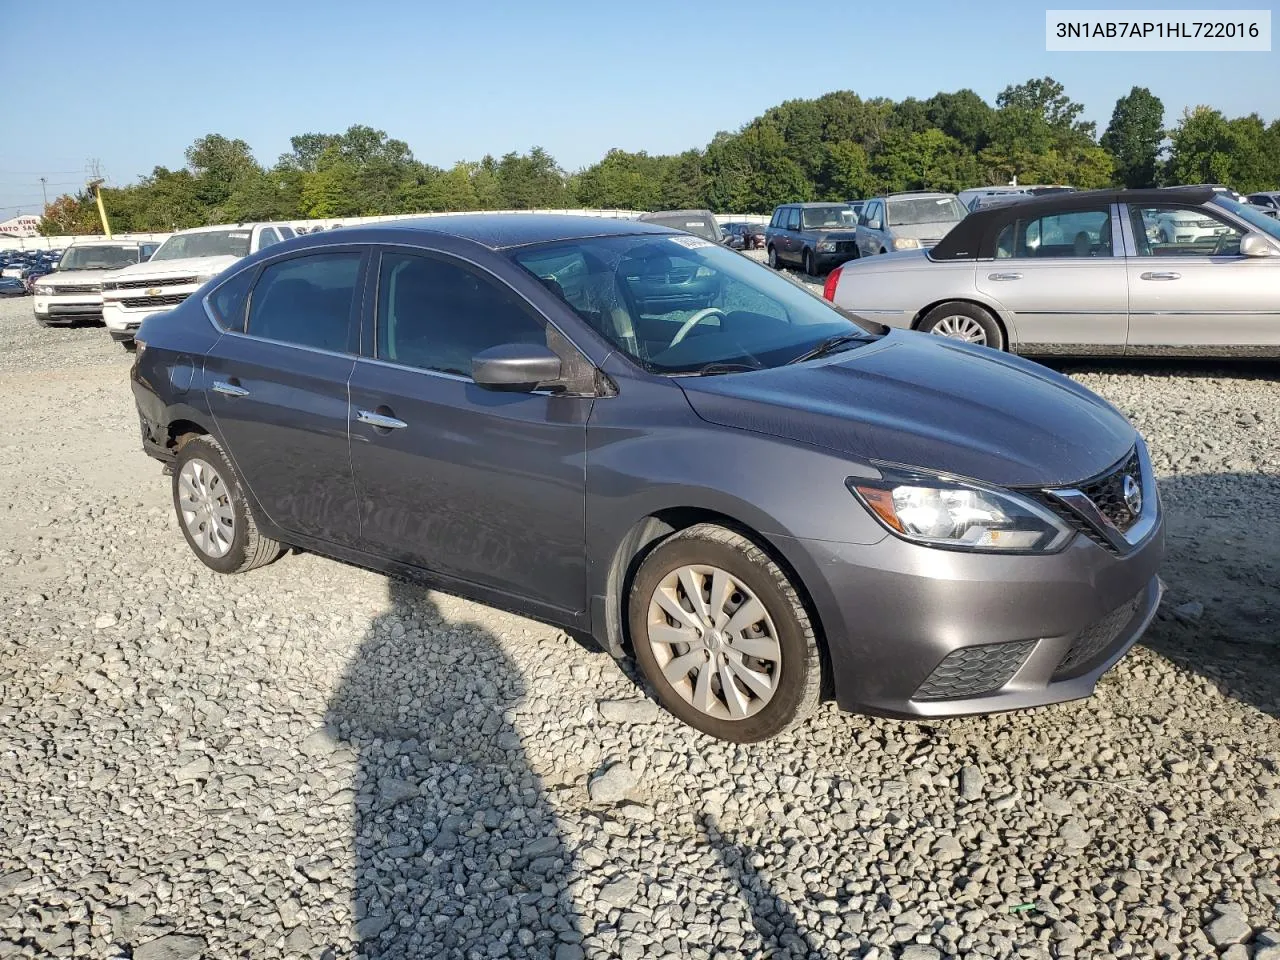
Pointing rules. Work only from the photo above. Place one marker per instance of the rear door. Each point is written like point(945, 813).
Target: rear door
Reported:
point(277, 388)
point(1198, 294)
point(1062, 277)
point(483, 486)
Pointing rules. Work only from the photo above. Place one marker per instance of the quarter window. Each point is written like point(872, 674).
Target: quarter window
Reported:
point(1073, 233)
point(1173, 231)
point(437, 314)
point(307, 301)
point(228, 299)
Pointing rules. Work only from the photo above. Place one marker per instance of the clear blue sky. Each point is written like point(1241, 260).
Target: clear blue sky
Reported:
point(133, 82)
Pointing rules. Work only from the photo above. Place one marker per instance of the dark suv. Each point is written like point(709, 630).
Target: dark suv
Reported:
point(815, 236)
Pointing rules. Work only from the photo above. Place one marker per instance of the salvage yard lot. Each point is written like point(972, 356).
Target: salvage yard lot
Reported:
point(312, 760)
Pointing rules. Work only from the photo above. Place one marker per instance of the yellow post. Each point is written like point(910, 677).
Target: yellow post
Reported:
point(102, 211)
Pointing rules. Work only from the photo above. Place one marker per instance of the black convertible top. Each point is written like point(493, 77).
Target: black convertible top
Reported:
point(974, 234)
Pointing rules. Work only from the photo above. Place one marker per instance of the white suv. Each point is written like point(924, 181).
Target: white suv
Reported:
point(74, 290)
point(178, 269)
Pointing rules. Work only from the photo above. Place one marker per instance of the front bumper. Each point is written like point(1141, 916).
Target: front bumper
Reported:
point(54, 308)
point(918, 632)
point(826, 262)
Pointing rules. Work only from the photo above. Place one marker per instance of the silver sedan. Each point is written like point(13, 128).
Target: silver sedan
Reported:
point(1096, 273)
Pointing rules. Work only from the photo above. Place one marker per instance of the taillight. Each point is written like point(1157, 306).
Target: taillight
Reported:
point(829, 288)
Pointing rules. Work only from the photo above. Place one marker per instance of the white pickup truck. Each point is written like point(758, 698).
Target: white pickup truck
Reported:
point(178, 269)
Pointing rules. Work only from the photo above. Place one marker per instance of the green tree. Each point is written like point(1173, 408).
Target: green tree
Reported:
point(69, 215)
point(1046, 98)
point(846, 173)
point(962, 115)
point(1200, 147)
point(1133, 137)
point(220, 166)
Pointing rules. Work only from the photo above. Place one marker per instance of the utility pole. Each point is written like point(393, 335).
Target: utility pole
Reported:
point(95, 184)
point(45, 190)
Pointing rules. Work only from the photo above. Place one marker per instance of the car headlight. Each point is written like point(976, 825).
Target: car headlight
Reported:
point(938, 511)
point(43, 290)
point(906, 243)
point(826, 246)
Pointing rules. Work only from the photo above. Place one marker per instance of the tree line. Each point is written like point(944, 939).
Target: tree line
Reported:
point(836, 147)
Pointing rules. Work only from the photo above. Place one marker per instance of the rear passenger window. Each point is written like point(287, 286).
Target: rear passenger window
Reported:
point(436, 314)
point(228, 299)
point(793, 218)
point(1076, 233)
point(307, 301)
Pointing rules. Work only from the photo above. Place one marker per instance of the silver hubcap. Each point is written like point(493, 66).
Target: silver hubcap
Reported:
point(960, 328)
point(206, 509)
point(714, 642)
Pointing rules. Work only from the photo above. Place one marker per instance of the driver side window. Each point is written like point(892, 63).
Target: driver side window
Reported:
point(1167, 230)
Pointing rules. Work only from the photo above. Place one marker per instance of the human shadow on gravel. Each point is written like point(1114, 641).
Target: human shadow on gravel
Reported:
point(457, 853)
point(1221, 615)
point(773, 918)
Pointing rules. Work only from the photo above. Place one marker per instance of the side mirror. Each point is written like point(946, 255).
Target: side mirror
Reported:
point(1252, 245)
point(873, 224)
point(515, 366)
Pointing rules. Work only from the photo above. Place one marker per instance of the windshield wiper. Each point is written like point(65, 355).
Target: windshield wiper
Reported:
point(711, 369)
point(829, 345)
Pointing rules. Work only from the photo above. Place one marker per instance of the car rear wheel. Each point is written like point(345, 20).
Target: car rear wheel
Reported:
point(723, 637)
point(773, 258)
point(964, 321)
point(212, 510)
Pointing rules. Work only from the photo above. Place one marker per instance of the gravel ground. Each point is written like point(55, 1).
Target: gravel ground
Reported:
point(315, 761)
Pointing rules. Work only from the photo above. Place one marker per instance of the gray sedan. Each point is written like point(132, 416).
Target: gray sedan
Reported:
point(1092, 273)
point(758, 499)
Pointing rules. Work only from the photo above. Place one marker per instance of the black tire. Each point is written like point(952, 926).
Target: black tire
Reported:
point(799, 686)
point(773, 258)
point(129, 346)
point(248, 548)
point(43, 321)
point(883, 251)
point(808, 263)
point(990, 328)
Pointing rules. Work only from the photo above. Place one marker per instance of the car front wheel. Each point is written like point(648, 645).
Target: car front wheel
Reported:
point(773, 258)
point(212, 510)
point(722, 635)
point(808, 262)
point(964, 321)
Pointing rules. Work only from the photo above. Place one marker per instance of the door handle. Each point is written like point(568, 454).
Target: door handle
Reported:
point(229, 389)
point(1004, 276)
point(1161, 276)
point(380, 420)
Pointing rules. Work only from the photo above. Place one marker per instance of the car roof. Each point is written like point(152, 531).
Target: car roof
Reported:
point(497, 231)
point(967, 237)
point(926, 194)
point(674, 213)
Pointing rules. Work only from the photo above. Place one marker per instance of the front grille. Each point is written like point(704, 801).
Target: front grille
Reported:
point(144, 284)
point(1107, 492)
point(1092, 642)
point(846, 246)
point(76, 288)
point(172, 300)
point(974, 671)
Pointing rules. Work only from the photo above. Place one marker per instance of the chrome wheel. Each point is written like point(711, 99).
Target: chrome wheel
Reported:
point(960, 327)
point(714, 642)
point(205, 506)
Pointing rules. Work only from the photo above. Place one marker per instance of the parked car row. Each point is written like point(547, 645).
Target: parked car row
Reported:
point(19, 269)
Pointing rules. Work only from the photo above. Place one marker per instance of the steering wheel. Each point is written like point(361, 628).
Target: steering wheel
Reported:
point(693, 321)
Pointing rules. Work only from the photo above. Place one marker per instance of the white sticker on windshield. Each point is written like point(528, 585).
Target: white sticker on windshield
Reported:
point(692, 242)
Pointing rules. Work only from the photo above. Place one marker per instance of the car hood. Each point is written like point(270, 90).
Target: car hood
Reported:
point(932, 230)
point(77, 277)
point(204, 266)
point(919, 400)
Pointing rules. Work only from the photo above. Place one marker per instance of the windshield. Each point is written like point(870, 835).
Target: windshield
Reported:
point(680, 304)
point(98, 258)
point(206, 243)
point(905, 212)
point(815, 218)
point(691, 223)
point(1255, 218)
